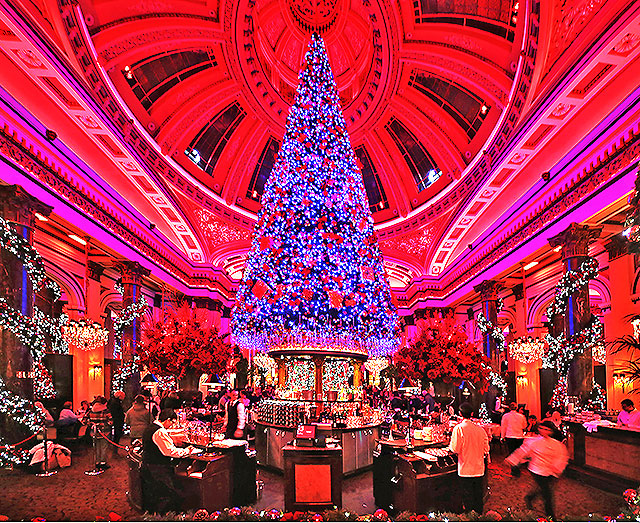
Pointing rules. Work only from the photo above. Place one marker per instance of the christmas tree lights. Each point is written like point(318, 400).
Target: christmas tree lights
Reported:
point(300, 375)
point(314, 276)
point(336, 374)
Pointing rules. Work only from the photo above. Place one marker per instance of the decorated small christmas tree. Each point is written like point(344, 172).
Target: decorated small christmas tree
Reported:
point(314, 275)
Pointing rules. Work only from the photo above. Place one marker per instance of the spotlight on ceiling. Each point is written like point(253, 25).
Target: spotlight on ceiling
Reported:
point(546, 176)
point(484, 109)
point(77, 238)
point(530, 265)
point(51, 135)
point(41, 217)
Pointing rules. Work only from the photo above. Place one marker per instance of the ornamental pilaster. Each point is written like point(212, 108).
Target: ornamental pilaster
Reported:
point(17, 207)
point(132, 274)
point(488, 291)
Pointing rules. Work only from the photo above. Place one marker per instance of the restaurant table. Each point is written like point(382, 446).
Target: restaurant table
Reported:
point(312, 478)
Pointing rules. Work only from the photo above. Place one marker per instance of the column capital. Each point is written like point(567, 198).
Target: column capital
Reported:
point(575, 240)
point(94, 270)
point(18, 206)
point(488, 289)
point(617, 247)
point(131, 272)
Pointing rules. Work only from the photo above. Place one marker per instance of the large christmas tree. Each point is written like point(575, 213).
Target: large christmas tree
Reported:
point(314, 277)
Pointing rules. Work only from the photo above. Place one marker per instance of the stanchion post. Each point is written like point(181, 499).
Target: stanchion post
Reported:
point(95, 471)
point(46, 472)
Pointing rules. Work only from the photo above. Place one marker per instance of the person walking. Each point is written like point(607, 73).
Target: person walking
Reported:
point(512, 428)
point(471, 443)
point(547, 460)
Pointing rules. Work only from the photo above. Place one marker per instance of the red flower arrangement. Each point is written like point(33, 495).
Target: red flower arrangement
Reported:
point(442, 352)
point(183, 343)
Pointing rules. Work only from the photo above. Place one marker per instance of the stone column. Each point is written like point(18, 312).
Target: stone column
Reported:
point(19, 208)
point(616, 323)
point(132, 274)
point(488, 291)
point(574, 241)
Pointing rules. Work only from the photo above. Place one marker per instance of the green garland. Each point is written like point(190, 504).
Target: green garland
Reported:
point(562, 351)
point(31, 332)
point(486, 327)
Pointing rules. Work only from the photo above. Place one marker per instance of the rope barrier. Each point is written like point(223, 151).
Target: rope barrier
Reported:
point(19, 443)
point(112, 442)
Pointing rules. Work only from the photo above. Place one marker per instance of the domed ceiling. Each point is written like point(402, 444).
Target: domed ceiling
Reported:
point(423, 84)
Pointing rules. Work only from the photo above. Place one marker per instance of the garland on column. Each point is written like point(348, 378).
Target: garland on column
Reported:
point(562, 351)
point(125, 318)
point(32, 332)
point(486, 327)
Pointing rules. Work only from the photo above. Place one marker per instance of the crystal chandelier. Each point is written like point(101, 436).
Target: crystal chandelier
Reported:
point(85, 335)
point(526, 349)
point(264, 362)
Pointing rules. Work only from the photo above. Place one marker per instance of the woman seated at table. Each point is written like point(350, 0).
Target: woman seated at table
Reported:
point(532, 424)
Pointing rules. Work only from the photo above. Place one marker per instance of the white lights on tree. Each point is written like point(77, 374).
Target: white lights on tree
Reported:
point(85, 335)
point(526, 349)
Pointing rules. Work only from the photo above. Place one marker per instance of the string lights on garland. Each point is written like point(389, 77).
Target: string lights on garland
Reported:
point(562, 351)
point(21, 412)
point(486, 327)
point(30, 258)
point(123, 373)
point(559, 396)
point(315, 269)
point(483, 413)
point(571, 282)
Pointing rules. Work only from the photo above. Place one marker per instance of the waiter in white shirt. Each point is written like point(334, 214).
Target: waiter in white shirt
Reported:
point(158, 448)
point(471, 443)
point(235, 417)
point(629, 416)
point(512, 427)
point(548, 458)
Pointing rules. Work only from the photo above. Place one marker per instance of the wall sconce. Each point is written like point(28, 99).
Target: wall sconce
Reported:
point(620, 380)
point(95, 371)
point(522, 380)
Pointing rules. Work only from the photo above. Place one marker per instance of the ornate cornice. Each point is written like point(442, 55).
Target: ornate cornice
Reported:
point(20, 155)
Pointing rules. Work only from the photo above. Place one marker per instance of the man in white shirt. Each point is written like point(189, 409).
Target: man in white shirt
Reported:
point(471, 443)
point(235, 417)
point(548, 458)
point(629, 416)
point(512, 427)
point(159, 493)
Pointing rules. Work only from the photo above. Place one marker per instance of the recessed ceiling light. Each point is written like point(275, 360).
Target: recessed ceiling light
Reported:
point(558, 248)
point(41, 217)
point(78, 239)
point(530, 265)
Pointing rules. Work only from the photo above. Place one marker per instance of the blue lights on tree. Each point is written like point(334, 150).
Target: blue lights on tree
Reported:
point(314, 276)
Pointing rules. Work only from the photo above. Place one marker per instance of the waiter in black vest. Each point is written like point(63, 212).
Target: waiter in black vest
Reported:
point(235, 417)
point(158, 448)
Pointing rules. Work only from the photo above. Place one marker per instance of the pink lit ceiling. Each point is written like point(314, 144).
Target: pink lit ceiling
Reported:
point(454, 109)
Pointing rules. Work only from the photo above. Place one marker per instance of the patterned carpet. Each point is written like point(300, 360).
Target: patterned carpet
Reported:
point(73, 496)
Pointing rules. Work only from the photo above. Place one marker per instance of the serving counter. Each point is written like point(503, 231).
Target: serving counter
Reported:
point(219, 478)
point(418, 478)
point(357, 445)
point(607, 457)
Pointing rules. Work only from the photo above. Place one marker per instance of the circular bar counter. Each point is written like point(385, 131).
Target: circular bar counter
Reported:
point(358, 445)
